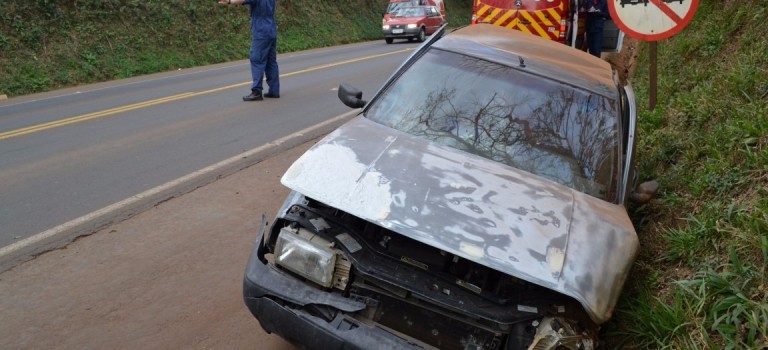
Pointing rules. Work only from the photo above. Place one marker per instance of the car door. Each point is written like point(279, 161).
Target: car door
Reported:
point(613, 37)
point(434, 19)
point(629, 129)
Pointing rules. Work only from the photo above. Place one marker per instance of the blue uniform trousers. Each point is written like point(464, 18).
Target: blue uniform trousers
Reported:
point(264, 62)
point(595, 42)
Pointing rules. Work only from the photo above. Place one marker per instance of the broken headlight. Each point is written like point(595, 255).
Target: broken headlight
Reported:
point(310, 257)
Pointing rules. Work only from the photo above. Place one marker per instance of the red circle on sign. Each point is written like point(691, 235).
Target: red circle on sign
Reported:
point(679, 25)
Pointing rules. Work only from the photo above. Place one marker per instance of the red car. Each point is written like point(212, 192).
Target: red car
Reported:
point(412, 23)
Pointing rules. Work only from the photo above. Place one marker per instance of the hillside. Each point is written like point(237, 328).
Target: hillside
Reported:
point(46, 45)
point(700, 278)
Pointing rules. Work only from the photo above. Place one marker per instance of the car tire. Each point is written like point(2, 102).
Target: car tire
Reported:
point(388, 40)
point(420, 38)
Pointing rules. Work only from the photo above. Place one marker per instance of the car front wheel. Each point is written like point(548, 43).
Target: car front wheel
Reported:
point(388, 40)
point(421, 36)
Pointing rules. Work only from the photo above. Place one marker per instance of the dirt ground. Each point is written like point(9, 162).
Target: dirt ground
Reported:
point(169, 278)
point(624, 61)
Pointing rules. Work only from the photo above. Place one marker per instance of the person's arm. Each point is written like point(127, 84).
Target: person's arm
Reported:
point(231, 2)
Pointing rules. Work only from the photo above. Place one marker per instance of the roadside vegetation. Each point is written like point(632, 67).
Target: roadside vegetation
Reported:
point(700, 278)
point(49, 44)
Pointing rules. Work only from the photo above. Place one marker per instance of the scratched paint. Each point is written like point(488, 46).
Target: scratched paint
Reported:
point(506, 219)
point(347, 170)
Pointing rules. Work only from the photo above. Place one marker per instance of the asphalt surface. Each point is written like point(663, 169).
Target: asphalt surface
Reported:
point(70, 152)
point(167, 278)
point(61, 235)
point(161, 269)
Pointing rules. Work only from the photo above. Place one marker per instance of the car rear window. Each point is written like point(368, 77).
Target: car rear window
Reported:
point(556, 131)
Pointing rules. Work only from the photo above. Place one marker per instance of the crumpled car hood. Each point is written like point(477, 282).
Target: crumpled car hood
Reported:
point(487, 212)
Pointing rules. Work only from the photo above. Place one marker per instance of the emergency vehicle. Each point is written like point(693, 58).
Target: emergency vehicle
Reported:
point(557, 20)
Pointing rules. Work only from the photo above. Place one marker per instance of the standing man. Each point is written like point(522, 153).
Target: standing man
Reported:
point(263, 47)
point(597, 13)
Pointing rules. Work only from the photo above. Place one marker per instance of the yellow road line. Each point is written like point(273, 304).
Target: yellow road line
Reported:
point(113, 111)
point(89, 116)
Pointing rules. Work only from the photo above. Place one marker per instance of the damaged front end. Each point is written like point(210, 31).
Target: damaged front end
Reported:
point(475, 203)
point(323, 278)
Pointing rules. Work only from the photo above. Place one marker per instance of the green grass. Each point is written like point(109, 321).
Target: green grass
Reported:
point(723, 306)
point(700, 279)
point(47, 44)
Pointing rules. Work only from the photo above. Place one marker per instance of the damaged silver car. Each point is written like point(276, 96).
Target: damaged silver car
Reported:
point(478, 201)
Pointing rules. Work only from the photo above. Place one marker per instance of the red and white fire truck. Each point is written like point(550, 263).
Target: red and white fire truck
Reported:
point(558, 20)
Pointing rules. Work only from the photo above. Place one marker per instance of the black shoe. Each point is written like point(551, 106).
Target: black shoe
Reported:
point(271, 95)
point(254, 96)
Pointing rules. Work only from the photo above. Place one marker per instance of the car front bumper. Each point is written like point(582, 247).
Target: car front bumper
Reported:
point(277, 301)
point(400, 32)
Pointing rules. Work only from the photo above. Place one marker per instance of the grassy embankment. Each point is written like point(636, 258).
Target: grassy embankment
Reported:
point(700, 279)
point(47, 44)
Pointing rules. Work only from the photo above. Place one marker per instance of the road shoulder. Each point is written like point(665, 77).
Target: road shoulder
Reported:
point(169, 277)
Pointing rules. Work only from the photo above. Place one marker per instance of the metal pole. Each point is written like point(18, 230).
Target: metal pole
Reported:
point(652, 71)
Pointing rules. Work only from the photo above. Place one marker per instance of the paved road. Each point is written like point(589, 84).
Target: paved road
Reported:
point(70, 153)
point(168, 278)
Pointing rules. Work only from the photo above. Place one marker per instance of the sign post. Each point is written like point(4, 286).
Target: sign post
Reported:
point(652, 20)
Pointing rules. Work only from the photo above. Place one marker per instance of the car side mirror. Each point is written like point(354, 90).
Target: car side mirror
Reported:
point(351, 96)
point(645, 192)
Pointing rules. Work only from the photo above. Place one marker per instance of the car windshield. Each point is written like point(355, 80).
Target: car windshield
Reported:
point(410, 12)
point(564, 134)
point(394, 6)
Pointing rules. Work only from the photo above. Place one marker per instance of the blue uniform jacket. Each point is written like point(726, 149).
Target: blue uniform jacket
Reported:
point(596, 19)
point(263, 24)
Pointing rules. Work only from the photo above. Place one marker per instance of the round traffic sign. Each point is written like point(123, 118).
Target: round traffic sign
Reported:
point(652, 20)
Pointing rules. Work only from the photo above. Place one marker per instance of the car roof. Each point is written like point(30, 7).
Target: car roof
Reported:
point(539, 56)
point(414, 7)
